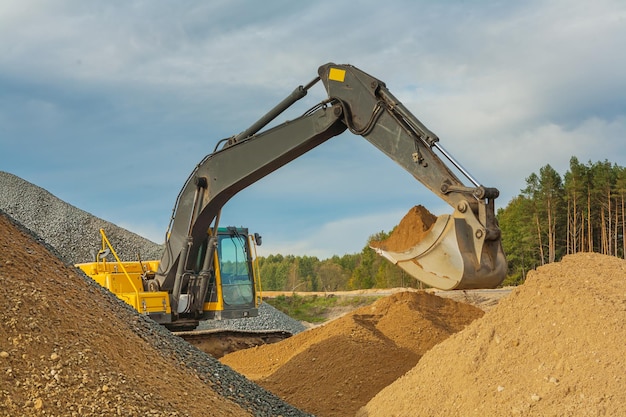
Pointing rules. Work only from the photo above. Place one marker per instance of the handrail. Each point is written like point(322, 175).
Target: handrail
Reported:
point(256, 272)
point(105, 240)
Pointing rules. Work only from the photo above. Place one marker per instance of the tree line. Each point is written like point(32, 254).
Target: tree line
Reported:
point(348, 272)
point(581, 211)
point(554, 215)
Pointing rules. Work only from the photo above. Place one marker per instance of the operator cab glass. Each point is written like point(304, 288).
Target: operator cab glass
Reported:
point(234, 266)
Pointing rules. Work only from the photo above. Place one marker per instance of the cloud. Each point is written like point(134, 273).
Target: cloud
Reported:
point(593, 139)
point(111, 104)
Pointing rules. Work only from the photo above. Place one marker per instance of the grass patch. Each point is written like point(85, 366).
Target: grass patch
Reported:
point(313, 308)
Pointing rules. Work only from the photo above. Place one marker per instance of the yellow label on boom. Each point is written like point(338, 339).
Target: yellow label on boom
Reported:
point(337, 74)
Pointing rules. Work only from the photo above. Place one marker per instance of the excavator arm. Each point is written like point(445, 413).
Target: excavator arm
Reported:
point(463, 250)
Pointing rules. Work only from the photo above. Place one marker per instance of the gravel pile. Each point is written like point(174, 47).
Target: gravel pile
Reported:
point(74, 233)
point(269, 319)
point(221, 378)
point(60, 333)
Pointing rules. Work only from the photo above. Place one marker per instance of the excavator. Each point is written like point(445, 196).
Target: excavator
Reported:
point(207, 271)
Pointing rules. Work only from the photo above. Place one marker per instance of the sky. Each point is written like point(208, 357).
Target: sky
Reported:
point(110, 105)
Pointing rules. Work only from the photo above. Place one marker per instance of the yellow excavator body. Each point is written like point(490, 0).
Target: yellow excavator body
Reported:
point(234, 290)
point(124, 280)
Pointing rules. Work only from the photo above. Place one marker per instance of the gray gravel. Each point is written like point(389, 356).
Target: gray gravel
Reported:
point(221, 378)
point(69, 233)
point(269, 319)
point(73, 232)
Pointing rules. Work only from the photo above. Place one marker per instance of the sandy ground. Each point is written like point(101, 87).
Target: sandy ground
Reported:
point(336, 368)
point(65, 352)
point(552, 346)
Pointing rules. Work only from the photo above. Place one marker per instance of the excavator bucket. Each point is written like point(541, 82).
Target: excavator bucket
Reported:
point(446, 252)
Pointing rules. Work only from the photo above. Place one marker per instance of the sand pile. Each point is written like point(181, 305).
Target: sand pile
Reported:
point(68, 347)
point(555, 346)
point(334, 369)
point(411, 230)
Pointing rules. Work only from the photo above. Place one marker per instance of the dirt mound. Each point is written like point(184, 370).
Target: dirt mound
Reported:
point(412, 229)
point(62, 351)
point(555, 346)
point(68, 347)
point(334, 369)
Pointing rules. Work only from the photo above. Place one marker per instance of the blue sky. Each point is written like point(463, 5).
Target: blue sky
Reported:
point(109, 105)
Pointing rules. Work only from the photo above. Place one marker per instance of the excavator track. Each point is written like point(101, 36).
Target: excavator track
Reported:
point(219, 342)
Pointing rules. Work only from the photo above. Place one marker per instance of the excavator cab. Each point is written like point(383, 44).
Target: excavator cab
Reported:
point(234, 289)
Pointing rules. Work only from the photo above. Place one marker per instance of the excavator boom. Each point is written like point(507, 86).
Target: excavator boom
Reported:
point(462, 250)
